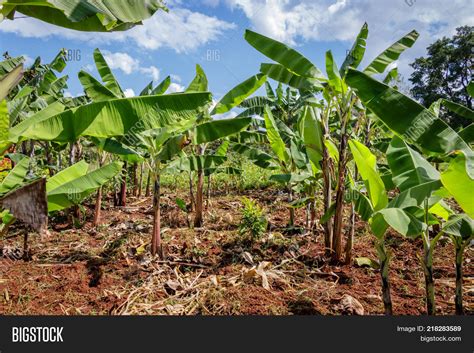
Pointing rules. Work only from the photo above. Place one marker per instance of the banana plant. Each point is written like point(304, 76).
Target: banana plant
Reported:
point(460, 228)
point(84, 15)
point(396, 213)
point(411, 173)
point(209, 128)
point(295, 70)
point(289, 156)
point(422, 127)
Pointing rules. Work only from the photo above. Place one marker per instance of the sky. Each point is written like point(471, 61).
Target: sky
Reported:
point(210, 33)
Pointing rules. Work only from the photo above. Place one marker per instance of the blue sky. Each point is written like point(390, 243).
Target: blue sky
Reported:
point(210, 33)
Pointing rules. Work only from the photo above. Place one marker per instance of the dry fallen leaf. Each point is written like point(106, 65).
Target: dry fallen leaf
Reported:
point(248, 258)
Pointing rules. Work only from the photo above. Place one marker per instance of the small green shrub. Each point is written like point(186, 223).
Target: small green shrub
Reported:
point(253, 223)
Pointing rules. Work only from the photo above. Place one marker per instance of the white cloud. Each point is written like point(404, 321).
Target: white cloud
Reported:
point(175, 87)
point(151, 71)
point(28, 60)
point(89, 68)
point(129, 65)
point(298, 21)
point(121, 61)
point(129, 92)
point(181, 30)
point(176, 78)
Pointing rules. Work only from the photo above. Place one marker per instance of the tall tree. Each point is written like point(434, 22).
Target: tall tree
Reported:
point(446, 73)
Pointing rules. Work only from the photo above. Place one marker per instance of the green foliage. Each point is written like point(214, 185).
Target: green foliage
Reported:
point(445, 73)
point(85, 15)
point(253, 222)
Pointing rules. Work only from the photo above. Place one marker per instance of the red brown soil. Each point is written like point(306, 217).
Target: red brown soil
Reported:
point(104, 271)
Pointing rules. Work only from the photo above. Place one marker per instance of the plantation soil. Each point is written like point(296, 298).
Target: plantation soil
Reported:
point(212, 270)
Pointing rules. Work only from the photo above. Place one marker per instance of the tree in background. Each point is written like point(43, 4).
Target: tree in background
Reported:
point(446, 73)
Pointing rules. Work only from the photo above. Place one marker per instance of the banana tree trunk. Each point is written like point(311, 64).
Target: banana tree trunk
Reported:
point(341, 188)
point(191, 192)
point(429, 282)
point(156, 246)
point(148, 182)
point(140, 182)
point(350, 238)
point(49, 158)
point(459, 257)
point(313, 215)
point(123, 186)
point(327, 195)
point(291, 209)
point(72, 154)
point(208, 195)
point(98, 205)
point(198, 219)
point(384, 259)
point(135, 179)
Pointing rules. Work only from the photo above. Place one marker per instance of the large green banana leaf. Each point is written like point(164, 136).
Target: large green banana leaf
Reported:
point(194, 163)
point(460, 226)
point(367, 165)
point(406, 117)
point(276, 142)
point(51, 110)
point(459, 183)
point(459, 109)
point(199, 83)
point(313, 137)
point(281, 74)
point(408, 167)
point(66, 175)
point(334, 77)
point(258, 157)
point(94, 89)
point(117, 148)
point(73, 185)
point(222, 149)
point(283, 55)
point(416, 195)
point(8, 65)
point(172, 147)
point(216, 129)
point(4, 126)
point(238, 94)
point(106, 74)
point(391, 54)
point(362, 205)
point(16, 176)
point(162, 87)
point(356, 54)
point(401, 221)
point(10, 80)
point(115, 117)
point(85, 15)
point(467, 134)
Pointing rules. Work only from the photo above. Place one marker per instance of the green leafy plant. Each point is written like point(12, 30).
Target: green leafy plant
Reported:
point(253, 223)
